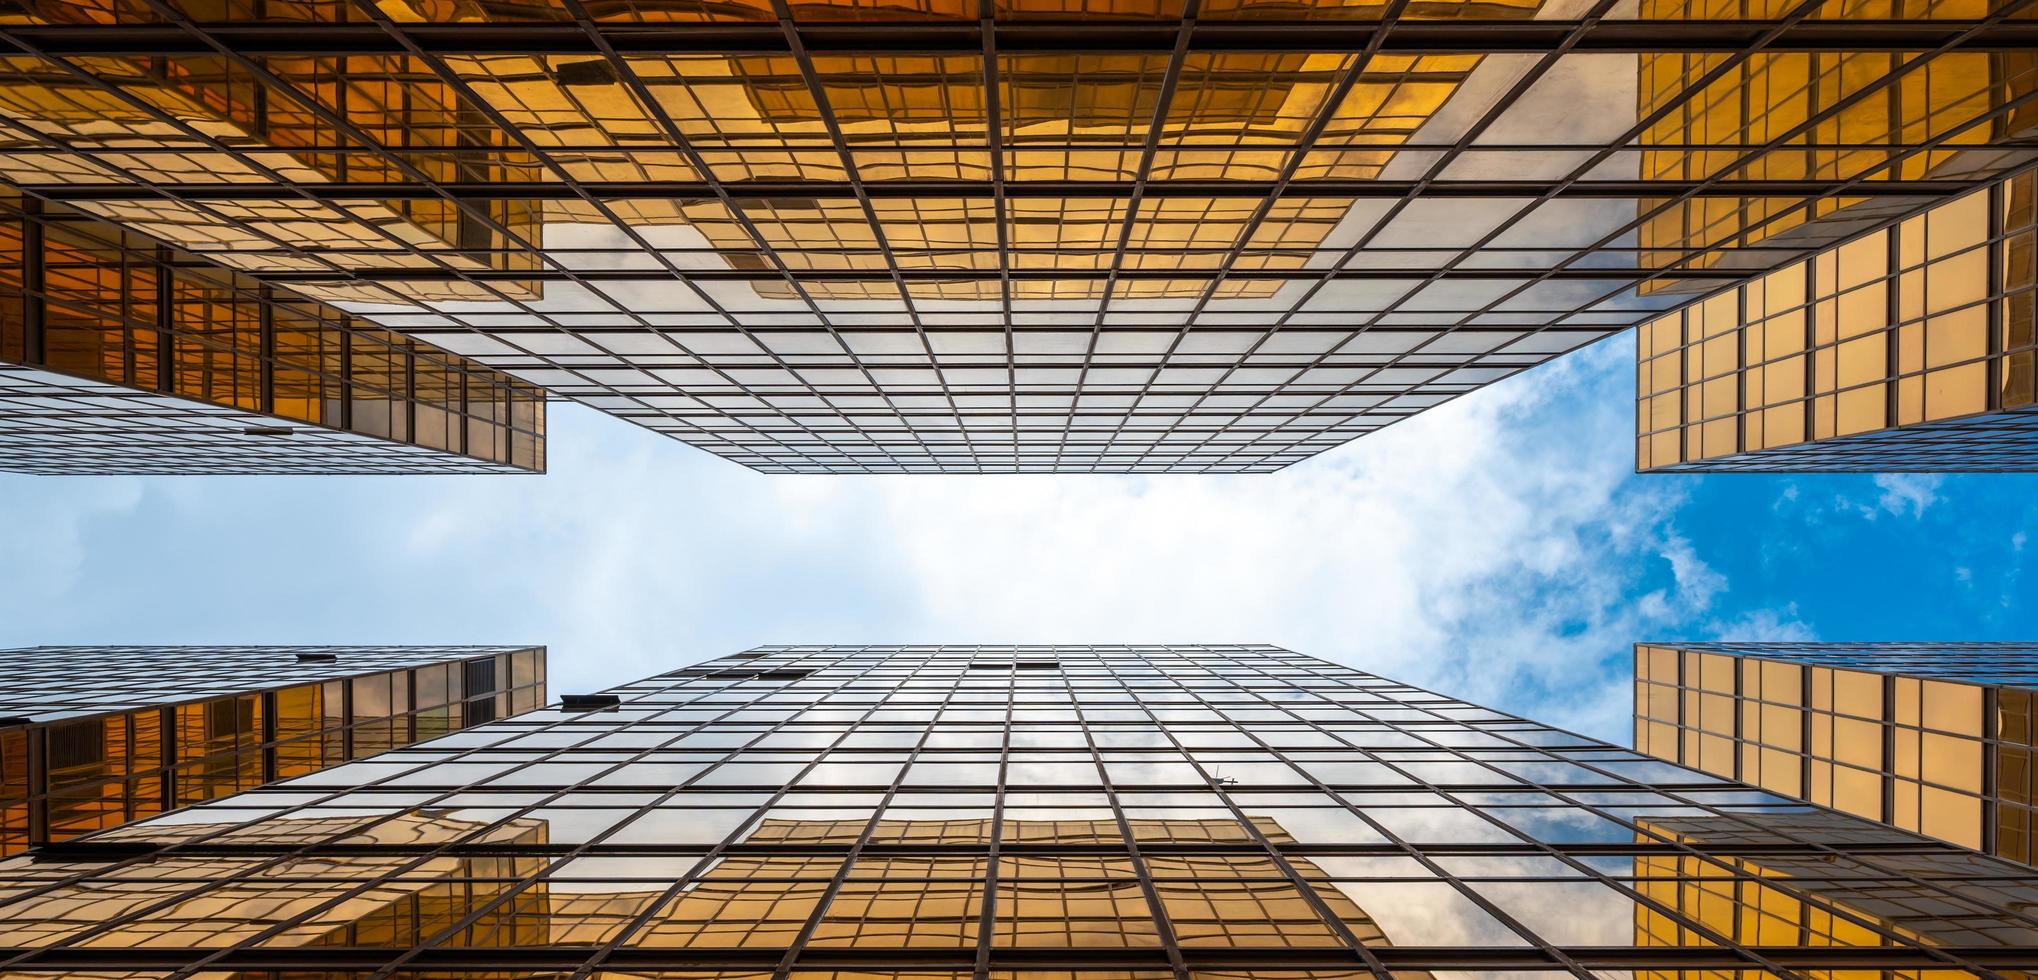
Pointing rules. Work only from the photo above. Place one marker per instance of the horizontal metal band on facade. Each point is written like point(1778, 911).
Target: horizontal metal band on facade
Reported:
point(1441, 37)
point(919, 189)
point(85, 852)
point(963, 959)
point(962, 275)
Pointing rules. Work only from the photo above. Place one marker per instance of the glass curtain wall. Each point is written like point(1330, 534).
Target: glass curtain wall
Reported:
point(1090, 813)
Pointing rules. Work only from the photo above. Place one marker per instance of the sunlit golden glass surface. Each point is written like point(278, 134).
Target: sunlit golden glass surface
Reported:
point(914, 813)
point(1932, 738)
point(1025, 235)
point(1908, 347)
point(129, 740)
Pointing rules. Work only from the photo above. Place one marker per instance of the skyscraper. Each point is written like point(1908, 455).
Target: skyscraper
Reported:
point(1930, 737)
point(1015, 235)
point(94, 737)
point(1908, 348)
point(121, 356)
point(1091, 813)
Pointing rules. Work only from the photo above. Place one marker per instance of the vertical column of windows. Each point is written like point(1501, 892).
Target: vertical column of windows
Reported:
point(113, 309)
point(2018, 319)
point(1848, 766)
point(219, 748)
point(1927, 321)
point(2014, 772)
point(1939, 760)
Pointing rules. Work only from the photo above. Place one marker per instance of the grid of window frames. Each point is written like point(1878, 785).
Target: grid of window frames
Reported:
point(94, 737)
point(219, 361)
point(1931, 737)
point(1032, 235)
point(60, 425)
point(1911, 348)
point(1091, 813)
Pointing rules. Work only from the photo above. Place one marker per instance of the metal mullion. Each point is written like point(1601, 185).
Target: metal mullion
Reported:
point(451, 79)
point(642, 93)
point(167, 767)
point(390, 274)
point(1806, 845)
point(428, 855)
point(1546, 848)
point(1842, 188)
point(295, 853)
point(1799, 14)
point(30, 194)
point(1304, 143)
point(1421, 186)
point(332, 193)
point(994, 139)
point(1302, 886)
point(1164, 99)
point(278, 181)
point(1449, 36)
point(987, 913)
point(811, 76)
point(1542, 66)
point(459, 85)
point(798, 945)
point(166, 376)
point(1422, 856)
point(340, 125)
point(652, 908)
point(1163, 926)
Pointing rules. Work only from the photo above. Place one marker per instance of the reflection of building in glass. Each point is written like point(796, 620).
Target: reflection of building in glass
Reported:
point(94, 737)
point(930, 236)
point(1106, 813)
point(1909, 348)
point(1928, 737)
point(121, 356)
point(1853, 893)
point(1822, 116)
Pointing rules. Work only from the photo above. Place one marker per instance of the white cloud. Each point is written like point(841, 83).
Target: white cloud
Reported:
point(1475, 548)
point(47, 538)
point(1762, 626)
point(1498, 548)
point(1903, 493)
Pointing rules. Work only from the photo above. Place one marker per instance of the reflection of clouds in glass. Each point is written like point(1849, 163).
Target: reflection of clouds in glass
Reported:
point(752, 774)
point(1319, 825)
point(1558, 824)
point(851, 774)
point(681, 826)
point(1529, 974)
point(574, 826)
point(1255, 773)
point(1068, 773)
point(1575, 913)
point(636, 873)
point(1153, 774)
point(1439, 825)
point(1428, 914)
point(1369, 866)
point(952, 774)
point(657, 774)
point(1506, 866)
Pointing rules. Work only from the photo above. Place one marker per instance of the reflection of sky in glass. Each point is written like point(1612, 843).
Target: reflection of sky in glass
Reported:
point(806, 844)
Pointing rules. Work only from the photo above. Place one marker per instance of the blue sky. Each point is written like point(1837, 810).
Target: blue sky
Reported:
point(1498, 548)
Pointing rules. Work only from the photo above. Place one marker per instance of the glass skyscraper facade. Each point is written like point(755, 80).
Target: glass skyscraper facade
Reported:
point(92, 737)
point(1215, 812)
point(119, 355)
point(1931, 737)
point(1012, 235)
point(1909, 348)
